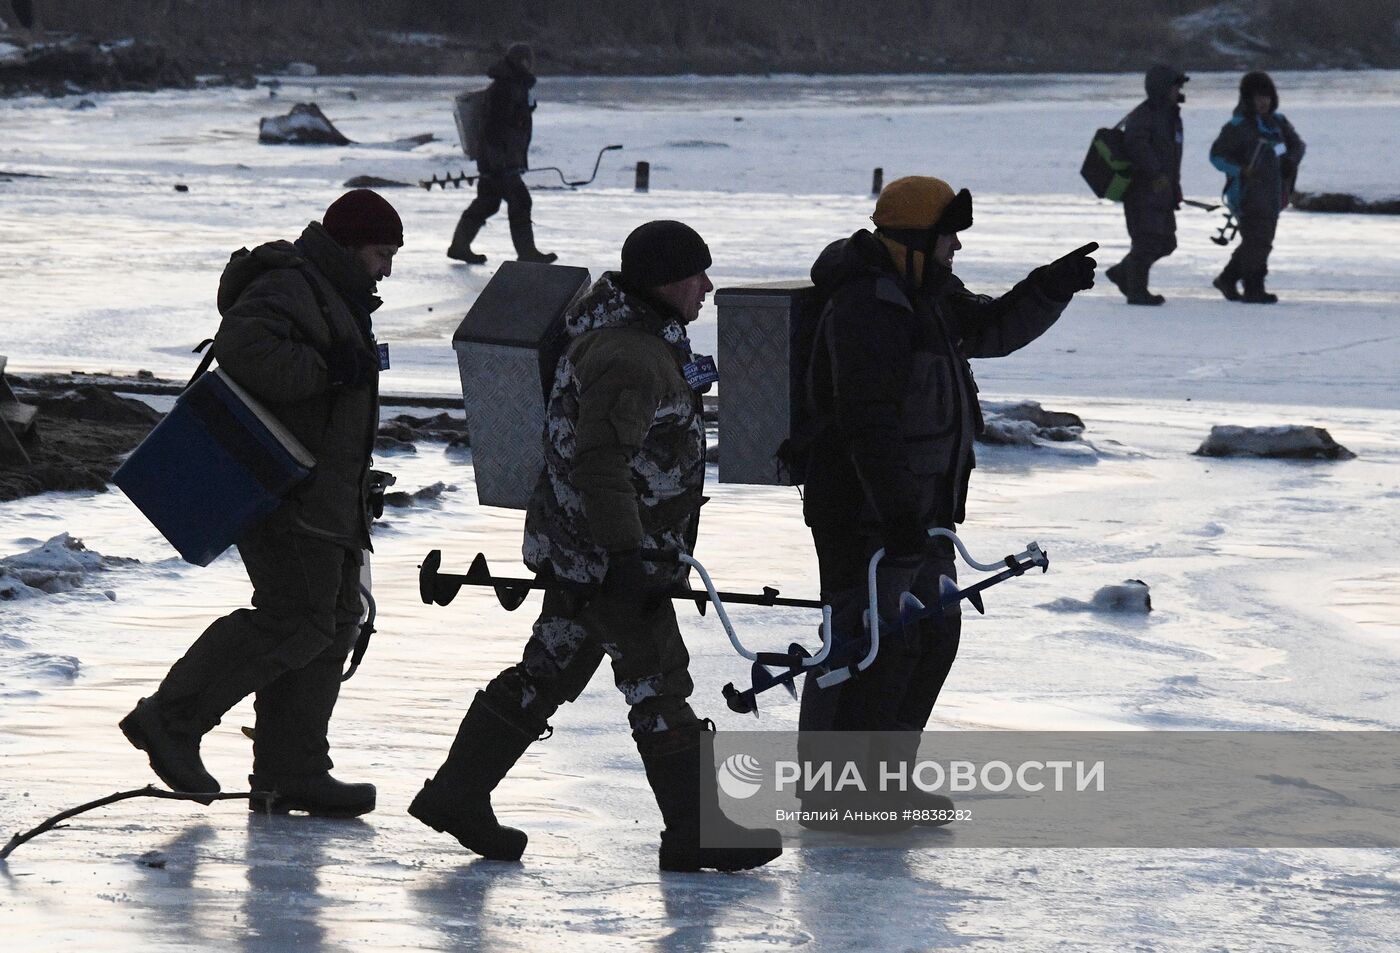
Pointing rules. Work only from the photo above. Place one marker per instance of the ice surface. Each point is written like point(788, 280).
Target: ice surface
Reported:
point(1274, 583)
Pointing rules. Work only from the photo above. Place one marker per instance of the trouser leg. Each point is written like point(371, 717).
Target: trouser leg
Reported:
point(296, 585)
point(1256, 242)
point(522, 229)
point(651, 666)
point(489, 193)
point(294, 710)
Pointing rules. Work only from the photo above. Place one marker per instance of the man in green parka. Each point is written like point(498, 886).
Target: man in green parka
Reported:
point(617, 502)
point(295, 333)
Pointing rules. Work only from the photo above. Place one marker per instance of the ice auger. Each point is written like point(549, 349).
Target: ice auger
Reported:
point(435, 586)
point(797, 661)
point(456, 181)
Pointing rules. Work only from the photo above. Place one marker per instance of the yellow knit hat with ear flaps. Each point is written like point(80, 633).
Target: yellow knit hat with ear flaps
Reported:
point(915, 201)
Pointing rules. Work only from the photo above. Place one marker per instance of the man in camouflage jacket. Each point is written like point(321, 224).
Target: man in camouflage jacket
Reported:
point(617, 502)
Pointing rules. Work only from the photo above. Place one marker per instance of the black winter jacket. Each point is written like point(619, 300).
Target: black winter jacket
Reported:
point(272, 341)
point(892, 389)
point(1152, 138)
point(508, 123)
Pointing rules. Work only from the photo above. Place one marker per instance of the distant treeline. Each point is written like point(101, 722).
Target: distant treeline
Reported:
point(746, 36)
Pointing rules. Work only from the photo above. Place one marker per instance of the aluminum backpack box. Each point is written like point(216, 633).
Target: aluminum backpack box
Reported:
point(765, 341)
point(507, 346)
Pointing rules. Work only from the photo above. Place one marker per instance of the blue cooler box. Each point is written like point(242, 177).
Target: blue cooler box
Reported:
point(217, 465)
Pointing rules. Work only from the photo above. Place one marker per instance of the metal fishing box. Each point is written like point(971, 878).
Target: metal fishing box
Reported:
point(507, 346)
point(215, 467)
point(765, 341)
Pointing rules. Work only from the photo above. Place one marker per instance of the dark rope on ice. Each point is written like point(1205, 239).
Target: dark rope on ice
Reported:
point(149, 790)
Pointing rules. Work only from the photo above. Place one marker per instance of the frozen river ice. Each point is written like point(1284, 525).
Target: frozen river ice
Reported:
point(1274, 583)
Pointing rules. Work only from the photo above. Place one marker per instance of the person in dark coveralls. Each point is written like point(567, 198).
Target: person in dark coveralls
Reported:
point(1259, 152)
point(505, 146)
point(295, 333)
point(896, 412)
point(1152, 138)
point(623, 480)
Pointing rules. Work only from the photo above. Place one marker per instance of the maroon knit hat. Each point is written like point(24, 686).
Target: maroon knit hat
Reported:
point(363, 217)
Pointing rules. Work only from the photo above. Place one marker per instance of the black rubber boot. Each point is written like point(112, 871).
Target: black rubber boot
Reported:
point(319, 795)
point(1118, 274)
point(173, 748)
point(1228, 282)
point(684, 788)
point(523, 235)
point(1145, 295)
point(930, 809)
point(870, 813)
point(462, 237)
point(1254, 292)
point(457, 800)
point(1131, 279)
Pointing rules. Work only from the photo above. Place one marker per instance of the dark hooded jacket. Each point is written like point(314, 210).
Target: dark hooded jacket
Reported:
point(508, 123)
point(1259, 153)
point(1152, 139)
point(893, 392)
point(272, 341)
point(624, 441)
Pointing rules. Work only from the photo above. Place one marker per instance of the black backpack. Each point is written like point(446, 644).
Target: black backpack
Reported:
point(1106, 167)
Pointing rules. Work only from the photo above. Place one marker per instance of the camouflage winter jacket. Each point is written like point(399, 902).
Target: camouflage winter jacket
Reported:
point(624, 440)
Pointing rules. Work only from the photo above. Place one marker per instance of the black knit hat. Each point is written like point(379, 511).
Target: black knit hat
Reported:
point(362, 217)
point(661, 252)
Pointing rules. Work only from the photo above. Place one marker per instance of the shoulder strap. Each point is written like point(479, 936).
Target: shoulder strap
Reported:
point(204, 362)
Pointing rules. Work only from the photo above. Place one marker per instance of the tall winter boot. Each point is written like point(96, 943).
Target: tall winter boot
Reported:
point(1228, 281)
point(930, 809)
point(461, 247)
point(1131, 279)
point(523, 235)
point(1119, 274)
point(1144, 294)
point(172, 744)
point(457, 800)
point(1254, 292)
point(685, 789)
point(291, 750)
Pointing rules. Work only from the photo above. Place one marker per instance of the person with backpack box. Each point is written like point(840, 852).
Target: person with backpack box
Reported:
point(617, 502)
point(895, 413)
point(505, 132)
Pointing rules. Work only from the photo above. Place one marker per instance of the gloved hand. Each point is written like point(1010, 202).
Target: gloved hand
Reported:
point(894, 577)
point(905, 545)
point(628, 584)
point(348, 365)
point(1162, 187)
point(1064, 276)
